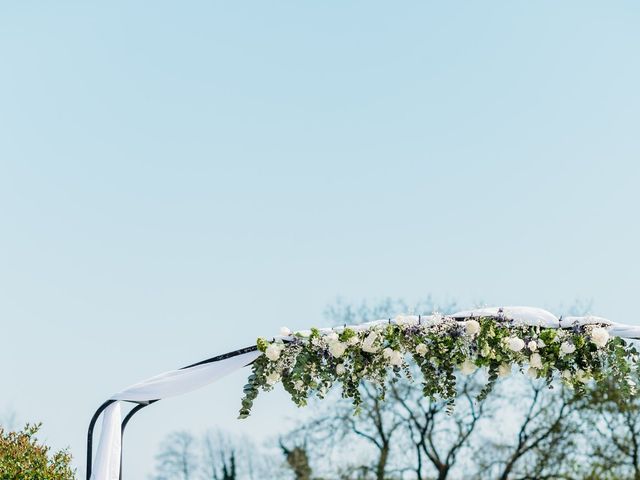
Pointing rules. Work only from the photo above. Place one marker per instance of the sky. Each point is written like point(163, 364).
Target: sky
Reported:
point(178, 178)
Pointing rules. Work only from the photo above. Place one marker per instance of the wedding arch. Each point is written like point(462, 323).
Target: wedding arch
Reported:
point(573, 350)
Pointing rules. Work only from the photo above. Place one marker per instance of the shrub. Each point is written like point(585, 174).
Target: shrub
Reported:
point(23, 457)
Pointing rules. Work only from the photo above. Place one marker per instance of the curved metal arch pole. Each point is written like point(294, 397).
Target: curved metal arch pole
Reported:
point(136, 409)
point(126, 420)
point(92, 424)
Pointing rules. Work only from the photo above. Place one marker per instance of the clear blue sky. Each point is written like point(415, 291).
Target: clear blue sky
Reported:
point(177, 178)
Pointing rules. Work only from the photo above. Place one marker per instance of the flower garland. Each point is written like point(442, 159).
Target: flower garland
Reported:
point(310, 363)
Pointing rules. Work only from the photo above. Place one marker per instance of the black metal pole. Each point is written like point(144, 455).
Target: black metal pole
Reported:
point(92, 424)
point(139, 407)
point(133, 411)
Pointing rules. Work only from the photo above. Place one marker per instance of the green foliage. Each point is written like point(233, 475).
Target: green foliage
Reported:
point(441, 348)
point(22, 457)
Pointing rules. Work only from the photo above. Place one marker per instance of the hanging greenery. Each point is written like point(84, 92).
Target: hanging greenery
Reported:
point(310, 363)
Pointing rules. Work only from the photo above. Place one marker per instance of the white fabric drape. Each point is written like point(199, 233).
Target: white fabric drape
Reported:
point(177, 382)
point(106, 465)
point(543, 318)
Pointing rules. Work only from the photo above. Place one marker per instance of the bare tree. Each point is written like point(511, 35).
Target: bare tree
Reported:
point(335, 427)
point(298, 460)
point(377, 424)
point(613, 426)
point(218, 457)
point(215, 455)
point(436, 434)
point(177, 457)
point(544, 443)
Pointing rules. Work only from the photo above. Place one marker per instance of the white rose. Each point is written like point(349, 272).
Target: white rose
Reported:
point(532, 346)
point(285, 332)
point(298, 385)
point(515, 344)
point(397, 359)
point(567, 348)
point(394, 357)
point(340, 369)
point(535, 360)
point(566, 374)
point(337, 349)
point(472, 327)
point(541, 343)
point(532, 372)
point(273, 378)
point(467, 367)
point(368, 343)
point(504, 370)
point(421, 349)
point(273, 352)
point(331, 337)
point(599, 336)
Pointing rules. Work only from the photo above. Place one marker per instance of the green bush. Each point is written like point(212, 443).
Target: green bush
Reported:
point(23, 457)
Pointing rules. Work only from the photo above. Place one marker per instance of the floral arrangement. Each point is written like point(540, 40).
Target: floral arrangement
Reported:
point(310, 363)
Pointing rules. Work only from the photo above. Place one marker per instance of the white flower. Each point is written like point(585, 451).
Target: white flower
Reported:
point(541, 343)
point(421, 349)
point(331, 337)
point(532, 346)
point(599, 336)
point(532, 372)
point(353, 340)
point(504, 370)
point(394, 357)
point(285, 332)
point(567, 348)
point(566, 374)
point(273, 352)
point(397, 359)
point(340, 369)
point(337, 349)
point(535, 360)
point(472, 327)
point(273, 378)
point(368, 343)
point(515, 344)
point(298, 385)
point(467, 367)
